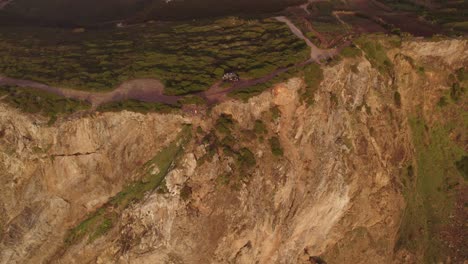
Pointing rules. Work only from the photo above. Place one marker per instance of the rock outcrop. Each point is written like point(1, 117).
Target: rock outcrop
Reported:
point(334, 194)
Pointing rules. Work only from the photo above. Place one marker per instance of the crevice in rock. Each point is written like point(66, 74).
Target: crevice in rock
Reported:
point(75, 154)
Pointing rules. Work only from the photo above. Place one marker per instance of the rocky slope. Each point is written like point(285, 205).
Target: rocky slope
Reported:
point(335, 191)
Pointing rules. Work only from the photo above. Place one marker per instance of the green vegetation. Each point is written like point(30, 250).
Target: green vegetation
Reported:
point(256, 89)
point(137, 106)
point(230, 143)
point(462, 166)
point(430, 190)
point(442, 101)
point(313, 76)
point(462, 75)
point(260, 127)
point(350, 52)
point(451, 14)
point(224, 124)
point(35, 101)
point(246, 159)
point(275, 145)
point(275, 113)
point(456, 92)
point(152, 176)
point(186, 57)
point(375, 53)
point(397, 99)
point(192, 100)
point(333, 99)
point(185, 192)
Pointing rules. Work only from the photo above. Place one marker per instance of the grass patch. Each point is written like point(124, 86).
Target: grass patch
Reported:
point(375, 53)
point(313, 76)
point(350, 52)
point(456, 92)
point(275, 113)
point(185, 192)
point(137, 106)
point(224, 124)
point(276, 148)
point(31, 100)
point(187, 57)
point(152, 175)
point(429, 191)
point(397, 99)
point(260, 128)
point(256, 89)
point(192, 100)
point(462, 166)
point(242, 162)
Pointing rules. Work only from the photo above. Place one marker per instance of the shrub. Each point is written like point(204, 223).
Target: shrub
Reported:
point(350, 52)
point(462, 166)
point(442, 101)
point(397, 99)
point(137, 106)
point(456, 92)
point(313, 76)
point(275, 112)
point(35, 101)
point(224, 124)
point(185, 192)
point(375, 53)
point(260, 128)
point(275, 145)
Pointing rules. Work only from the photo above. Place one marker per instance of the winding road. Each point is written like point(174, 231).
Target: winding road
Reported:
point(152, 90)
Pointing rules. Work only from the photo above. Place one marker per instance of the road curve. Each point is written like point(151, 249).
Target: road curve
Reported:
point(316, 53)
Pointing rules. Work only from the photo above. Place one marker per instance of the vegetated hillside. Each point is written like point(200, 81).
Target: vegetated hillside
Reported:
point(360, 161)
point(73, 12)
point(187, 57)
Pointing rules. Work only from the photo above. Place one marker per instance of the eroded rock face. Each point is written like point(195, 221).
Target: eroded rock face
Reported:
point(334, 193)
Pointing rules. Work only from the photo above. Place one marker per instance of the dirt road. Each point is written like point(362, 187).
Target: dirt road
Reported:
point(316, 53)
point(148, 90)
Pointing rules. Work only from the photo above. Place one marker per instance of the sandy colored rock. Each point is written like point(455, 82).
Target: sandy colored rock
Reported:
point(335, 193)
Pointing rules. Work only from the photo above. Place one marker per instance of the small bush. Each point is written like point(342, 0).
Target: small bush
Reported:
point(462, 166)
point(224, 124)
point(456, 92)
point(102, 228)
point(275, 145)
point(275, 113)
point(246, 158)
point(462, 75)
point(185, 192)
point(442, 101)
point(260, 128)
point(333, 99)
point(376, 54)
point(397, 99)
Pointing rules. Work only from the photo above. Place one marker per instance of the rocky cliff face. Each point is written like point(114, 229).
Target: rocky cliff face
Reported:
point(333, 190)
